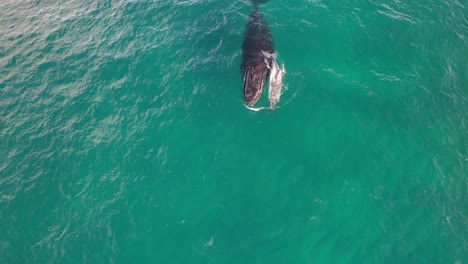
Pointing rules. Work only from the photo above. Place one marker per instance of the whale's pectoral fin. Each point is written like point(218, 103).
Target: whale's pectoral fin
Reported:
point(267, 63)
point(267, 58)
point(271, 56)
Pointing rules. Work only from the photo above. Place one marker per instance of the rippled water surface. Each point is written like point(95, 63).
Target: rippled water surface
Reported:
point(124, 139)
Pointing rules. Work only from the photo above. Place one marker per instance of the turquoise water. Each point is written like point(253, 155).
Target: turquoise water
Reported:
point(124, 138)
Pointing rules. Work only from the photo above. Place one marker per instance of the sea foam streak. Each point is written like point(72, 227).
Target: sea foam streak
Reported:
point(256, 109)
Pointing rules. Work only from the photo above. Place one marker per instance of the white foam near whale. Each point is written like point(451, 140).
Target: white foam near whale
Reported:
point(256, 109)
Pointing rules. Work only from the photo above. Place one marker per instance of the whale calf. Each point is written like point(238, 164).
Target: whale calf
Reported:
point(254, 69)
point(276, 79)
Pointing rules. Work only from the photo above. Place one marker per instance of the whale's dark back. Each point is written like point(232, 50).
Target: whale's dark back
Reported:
point(257, 38)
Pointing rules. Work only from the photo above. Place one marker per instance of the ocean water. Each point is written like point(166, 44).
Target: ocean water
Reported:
point(124, 139)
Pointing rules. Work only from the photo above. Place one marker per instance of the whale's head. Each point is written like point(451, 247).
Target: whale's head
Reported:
point(254, 80)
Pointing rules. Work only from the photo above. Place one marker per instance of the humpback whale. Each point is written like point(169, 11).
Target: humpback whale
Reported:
point(276, 80)
point(255, 67)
